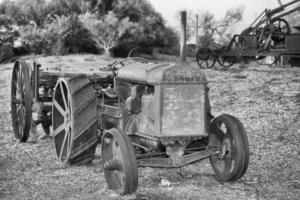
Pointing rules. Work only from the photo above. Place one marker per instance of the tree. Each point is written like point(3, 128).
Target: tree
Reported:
point(105, 6)
point(213, 30)
point(114, 24)
point(106, 31)
point(140, 26)
point(14, 12)
point(150, 31)
point(7, 33)
point(23, 12)
point(7, 37)
point(60, 35)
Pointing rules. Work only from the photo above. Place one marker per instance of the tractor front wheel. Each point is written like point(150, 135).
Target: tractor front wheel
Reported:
point(229, 136)
point(119, 162)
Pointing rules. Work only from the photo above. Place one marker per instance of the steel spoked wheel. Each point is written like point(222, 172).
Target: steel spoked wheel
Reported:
point(223, 60)
point(21, 101)
point(226, 61)
point(119, 162)
point(205, 58)
point(229, 136)
point(282, 28)
point(74, 120)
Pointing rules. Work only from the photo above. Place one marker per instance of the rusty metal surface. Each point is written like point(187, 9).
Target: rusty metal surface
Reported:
point(142, 73)
point(250, 41)
point(174, 107)
point(183, 110)
point(161, 73)
point(167, 162)
point(173, 110)
point(292, 42)
point(111, 111)
point(147, 120)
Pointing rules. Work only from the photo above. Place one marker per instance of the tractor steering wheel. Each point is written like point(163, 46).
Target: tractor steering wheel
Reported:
point(121, 63)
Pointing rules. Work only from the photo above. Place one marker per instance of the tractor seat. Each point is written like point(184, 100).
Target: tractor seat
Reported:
point(109, 92)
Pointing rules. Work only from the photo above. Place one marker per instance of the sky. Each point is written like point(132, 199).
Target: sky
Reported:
point(252, 8)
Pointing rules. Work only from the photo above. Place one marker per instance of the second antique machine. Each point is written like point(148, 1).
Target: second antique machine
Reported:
point(270, 35)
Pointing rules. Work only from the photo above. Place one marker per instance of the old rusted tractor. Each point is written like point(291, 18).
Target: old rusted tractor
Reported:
point(269, 35)
point(141, 114)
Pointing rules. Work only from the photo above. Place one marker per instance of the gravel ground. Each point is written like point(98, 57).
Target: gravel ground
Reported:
point(266, 100)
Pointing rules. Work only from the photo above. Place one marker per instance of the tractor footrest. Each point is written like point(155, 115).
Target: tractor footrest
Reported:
point(166, 162)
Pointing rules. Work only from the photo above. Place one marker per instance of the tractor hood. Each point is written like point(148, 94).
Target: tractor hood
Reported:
point(160, 73)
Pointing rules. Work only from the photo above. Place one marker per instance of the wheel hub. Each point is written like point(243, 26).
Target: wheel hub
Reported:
point(226, 149)
point(113, 164)
point(67, 119)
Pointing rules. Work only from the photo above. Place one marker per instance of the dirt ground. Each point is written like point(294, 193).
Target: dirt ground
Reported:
point(266, 100)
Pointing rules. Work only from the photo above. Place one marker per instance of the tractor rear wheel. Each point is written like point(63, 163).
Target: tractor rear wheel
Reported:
point(21, 100)
point(224, 60)
point(74, 120)
point(228, 135)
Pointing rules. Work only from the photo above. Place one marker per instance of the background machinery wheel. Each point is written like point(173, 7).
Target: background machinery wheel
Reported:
point(21, 100)
point(223, 60)
point(226, 61)
point(229, 136)
point(119, 162)
point(273, 34)
point(281, 29)
point(74, 120)
point(205, 58)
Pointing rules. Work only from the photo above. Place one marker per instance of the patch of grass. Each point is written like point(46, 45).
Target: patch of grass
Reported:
point(243, 66)
point(90, 59)
point(239, 76)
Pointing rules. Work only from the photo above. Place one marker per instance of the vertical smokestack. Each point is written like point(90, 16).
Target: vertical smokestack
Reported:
point(183, 37)
point(197, 37)
point(279, 1)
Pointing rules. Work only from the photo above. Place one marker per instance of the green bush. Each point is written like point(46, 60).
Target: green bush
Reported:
point(150, 32)
point(32, 38)
point(77, 38)
point(6, 52)
point(7, 37)
point(59, 35)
